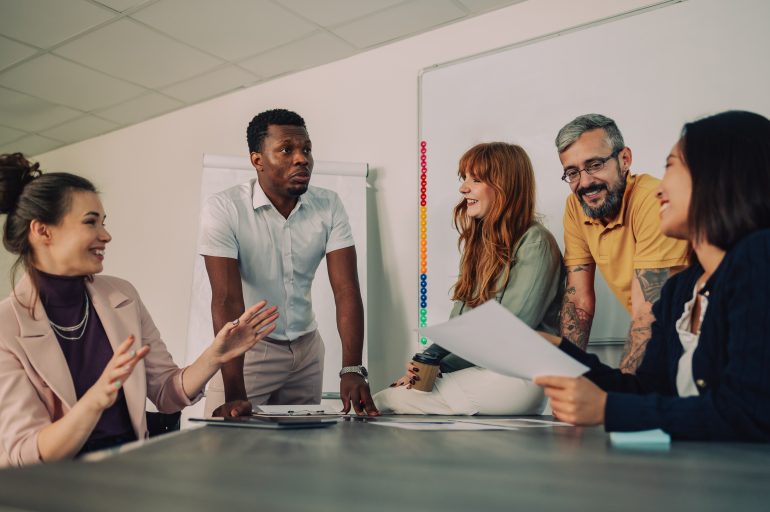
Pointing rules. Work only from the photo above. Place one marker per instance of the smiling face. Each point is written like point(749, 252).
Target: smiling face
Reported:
point(674, 193)
point(601, 193)
point(478, 195)
point(75, 246)
point(285, 163)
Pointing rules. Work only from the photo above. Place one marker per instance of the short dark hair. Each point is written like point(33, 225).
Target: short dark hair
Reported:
point(257, 130)
point(26, 194)
point(728, 155)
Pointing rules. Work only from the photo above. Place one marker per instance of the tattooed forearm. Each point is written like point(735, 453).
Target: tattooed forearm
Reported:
point(636, 344)
point(651, 280)
point(575, 322)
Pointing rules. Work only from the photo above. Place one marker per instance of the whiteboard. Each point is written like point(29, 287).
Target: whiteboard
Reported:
point(651, 71)
point(348, 180)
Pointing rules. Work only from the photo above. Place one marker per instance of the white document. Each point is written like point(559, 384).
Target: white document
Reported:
point(440, 425)
point(492, 337)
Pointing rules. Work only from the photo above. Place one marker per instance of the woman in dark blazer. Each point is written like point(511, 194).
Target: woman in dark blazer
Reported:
point(706, 372)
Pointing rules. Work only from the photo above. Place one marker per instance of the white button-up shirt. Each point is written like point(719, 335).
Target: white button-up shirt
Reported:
point(277, 256)
point(685, 385)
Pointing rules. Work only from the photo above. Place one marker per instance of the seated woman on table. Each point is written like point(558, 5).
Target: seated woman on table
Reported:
point(507, 256)
point(705, 372)
point(79, 353)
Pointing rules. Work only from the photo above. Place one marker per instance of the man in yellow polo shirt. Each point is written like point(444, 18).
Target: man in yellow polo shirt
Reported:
point(611, 221)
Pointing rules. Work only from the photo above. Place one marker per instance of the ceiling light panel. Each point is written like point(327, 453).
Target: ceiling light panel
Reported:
point(44, 23)
point(67, 83)
point(231, 29)
point(128, 50)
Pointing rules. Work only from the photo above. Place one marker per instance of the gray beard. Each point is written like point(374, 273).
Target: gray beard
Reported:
point(612, 203)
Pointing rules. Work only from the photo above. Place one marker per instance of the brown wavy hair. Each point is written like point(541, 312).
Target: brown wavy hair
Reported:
point(487, 244)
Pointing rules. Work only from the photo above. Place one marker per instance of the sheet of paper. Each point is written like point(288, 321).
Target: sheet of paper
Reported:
point(517, 422)
point(492, 337)
point(440, 425)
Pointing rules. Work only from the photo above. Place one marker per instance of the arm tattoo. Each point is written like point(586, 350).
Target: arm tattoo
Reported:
point(638, 336)
point(577, 268)
point(651, 281)
point(575, 322)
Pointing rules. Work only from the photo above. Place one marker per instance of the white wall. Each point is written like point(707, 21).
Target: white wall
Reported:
point(363, 108)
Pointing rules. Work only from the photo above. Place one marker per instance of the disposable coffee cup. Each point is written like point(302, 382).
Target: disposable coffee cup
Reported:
point(429, 367)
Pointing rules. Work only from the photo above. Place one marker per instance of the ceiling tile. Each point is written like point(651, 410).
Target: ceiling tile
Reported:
point(79, 129)
point(128, 50)
point(12, 52)
point(141, 108)
point(44, 23)
point(31, 114)
point(231, 29)
point(315, 50)
point(334, 12)
point(211, 84)
point(31, 145)
point(399, 21)
point(487, 5)
point(121, 5)
point(67, 83)
point(9, 134)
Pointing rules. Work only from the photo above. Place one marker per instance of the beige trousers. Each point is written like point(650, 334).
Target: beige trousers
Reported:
point(466, 392)
point(277, 373)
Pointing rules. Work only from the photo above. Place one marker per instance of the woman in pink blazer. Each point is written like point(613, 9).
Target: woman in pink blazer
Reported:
point(79, 353)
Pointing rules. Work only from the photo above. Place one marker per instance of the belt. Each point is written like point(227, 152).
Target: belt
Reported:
point(304, 337)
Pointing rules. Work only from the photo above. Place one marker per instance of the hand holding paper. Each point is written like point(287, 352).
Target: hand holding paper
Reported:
point(491, 337)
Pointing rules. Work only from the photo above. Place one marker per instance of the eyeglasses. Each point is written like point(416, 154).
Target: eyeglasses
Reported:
point(572, 174)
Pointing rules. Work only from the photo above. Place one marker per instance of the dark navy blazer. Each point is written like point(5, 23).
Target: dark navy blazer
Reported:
point(730, 366)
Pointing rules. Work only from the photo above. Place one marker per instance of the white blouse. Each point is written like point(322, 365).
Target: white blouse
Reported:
point(685, 385)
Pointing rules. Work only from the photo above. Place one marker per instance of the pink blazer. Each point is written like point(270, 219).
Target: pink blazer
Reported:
point(35, 383)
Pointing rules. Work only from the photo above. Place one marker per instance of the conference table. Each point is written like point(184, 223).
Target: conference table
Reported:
point(359, 466)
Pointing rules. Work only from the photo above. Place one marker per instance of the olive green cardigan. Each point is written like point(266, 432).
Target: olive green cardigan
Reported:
point(533, 292)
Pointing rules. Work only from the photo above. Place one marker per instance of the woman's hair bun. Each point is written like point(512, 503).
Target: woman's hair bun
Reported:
point(15, 173)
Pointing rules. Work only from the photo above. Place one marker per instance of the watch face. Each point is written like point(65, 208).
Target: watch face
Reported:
point(364, 372)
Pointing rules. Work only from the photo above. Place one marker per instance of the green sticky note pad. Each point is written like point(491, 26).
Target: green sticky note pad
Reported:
point(642, 440)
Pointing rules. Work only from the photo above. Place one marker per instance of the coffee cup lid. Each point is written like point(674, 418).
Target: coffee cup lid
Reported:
point(426, 358)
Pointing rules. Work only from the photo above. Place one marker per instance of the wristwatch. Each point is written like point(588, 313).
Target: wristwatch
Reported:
point(359, 369)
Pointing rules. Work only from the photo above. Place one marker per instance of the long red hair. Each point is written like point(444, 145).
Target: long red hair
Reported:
point(487, 244)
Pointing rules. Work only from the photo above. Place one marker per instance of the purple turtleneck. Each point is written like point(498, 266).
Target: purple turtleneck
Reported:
point(63, 299)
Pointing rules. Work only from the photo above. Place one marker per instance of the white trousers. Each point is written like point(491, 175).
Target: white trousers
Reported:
point(277, 373)
point(466, 392)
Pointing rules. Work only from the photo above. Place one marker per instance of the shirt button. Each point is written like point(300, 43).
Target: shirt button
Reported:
point(700, 383)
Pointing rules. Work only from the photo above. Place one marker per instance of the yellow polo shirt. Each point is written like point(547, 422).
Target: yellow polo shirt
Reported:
point(630, 241)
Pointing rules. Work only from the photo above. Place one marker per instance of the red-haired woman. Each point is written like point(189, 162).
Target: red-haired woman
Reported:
point(507, 256)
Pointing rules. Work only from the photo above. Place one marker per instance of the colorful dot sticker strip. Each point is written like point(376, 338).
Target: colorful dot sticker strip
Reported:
point(423, 238)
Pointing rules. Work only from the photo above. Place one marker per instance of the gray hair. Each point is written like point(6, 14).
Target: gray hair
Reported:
point(581, 124)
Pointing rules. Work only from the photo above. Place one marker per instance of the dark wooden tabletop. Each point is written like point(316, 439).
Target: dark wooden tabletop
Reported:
point(359, 466)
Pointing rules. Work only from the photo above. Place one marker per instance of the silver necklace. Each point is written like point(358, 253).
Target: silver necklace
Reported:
point(63, 332)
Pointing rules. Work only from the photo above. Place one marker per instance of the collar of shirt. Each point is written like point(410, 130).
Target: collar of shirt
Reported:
point(259, 199)
point(618, 220)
